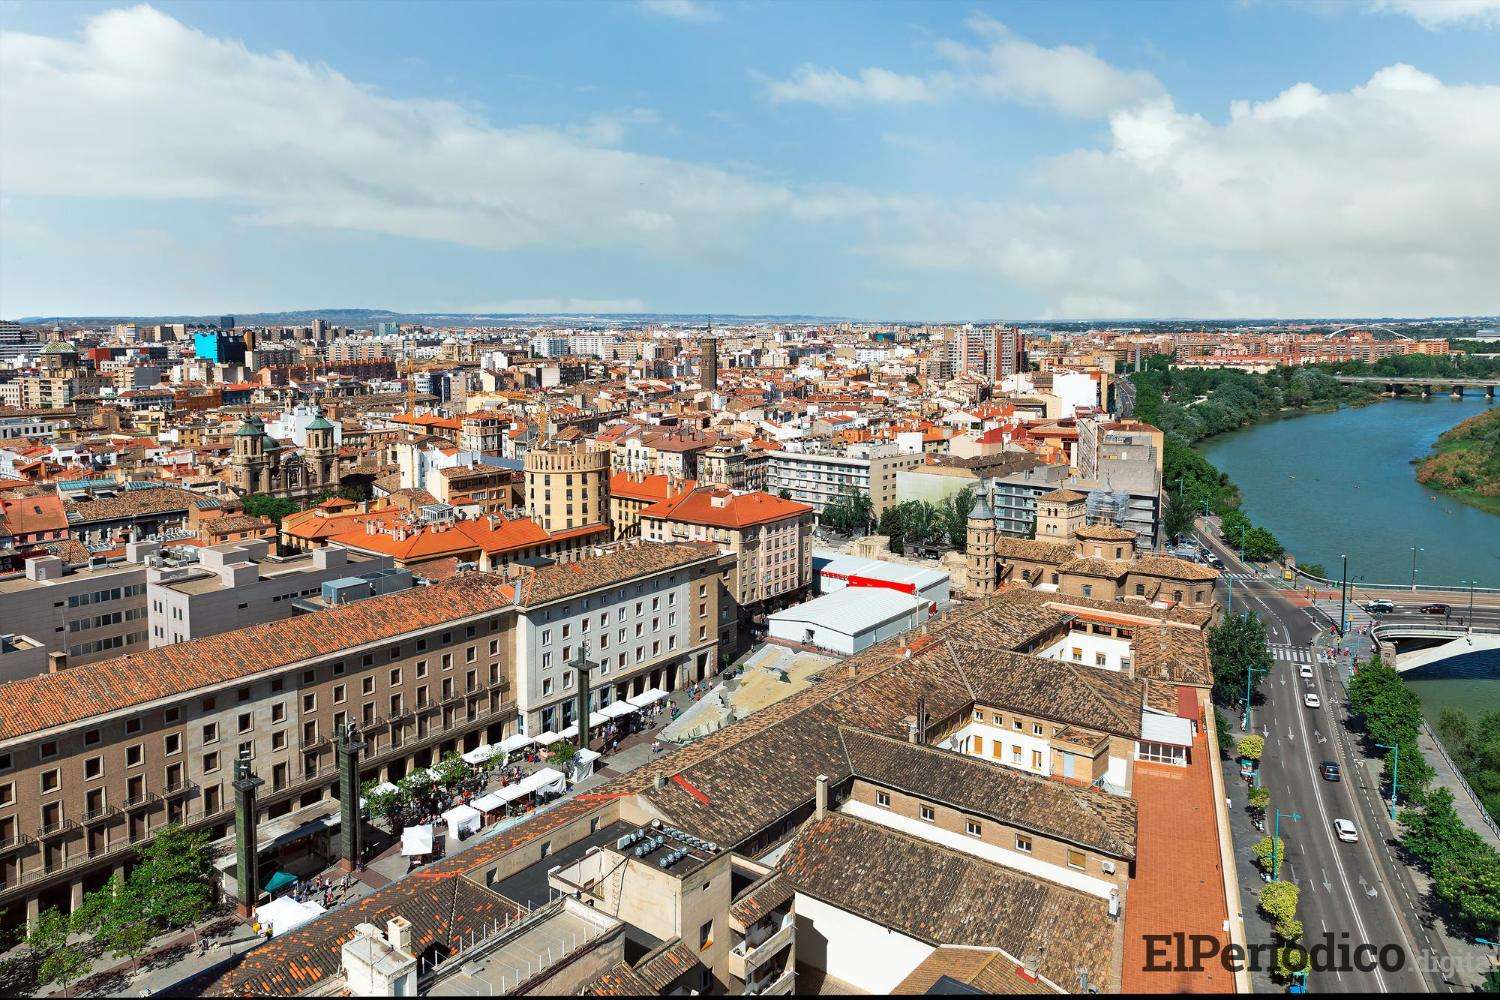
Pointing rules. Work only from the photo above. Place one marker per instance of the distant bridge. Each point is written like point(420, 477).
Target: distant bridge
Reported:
point(1411, 647)
point(1371, 327)
point(1395, 385)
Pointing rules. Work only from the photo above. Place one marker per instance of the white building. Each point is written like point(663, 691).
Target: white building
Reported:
point(849, 620)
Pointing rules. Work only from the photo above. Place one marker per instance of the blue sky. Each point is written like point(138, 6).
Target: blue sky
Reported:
point(890, 160)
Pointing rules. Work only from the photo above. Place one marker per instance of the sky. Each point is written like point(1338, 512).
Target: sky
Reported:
point(887, 161)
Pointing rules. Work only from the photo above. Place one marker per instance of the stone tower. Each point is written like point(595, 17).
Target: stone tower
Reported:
point(979, 560)
point(249, 465)
point(708, 365)
point(322, 452)
point(567, 485)
point(1059, 515)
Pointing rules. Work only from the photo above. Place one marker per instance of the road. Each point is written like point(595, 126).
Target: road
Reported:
point(1352, 891)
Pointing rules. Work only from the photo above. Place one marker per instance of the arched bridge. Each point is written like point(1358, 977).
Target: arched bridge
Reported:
point(1412, 646)
point(1395, 385)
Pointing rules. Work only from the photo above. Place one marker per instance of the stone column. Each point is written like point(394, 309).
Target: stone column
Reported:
point(247, 851)
point(350, 842)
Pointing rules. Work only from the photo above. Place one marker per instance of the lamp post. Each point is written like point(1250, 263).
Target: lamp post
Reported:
point(1471, 602)
point(1395, 771)
point(1276, 839)
point(1414, 550)
point(1344, 598)
point(1250, 673)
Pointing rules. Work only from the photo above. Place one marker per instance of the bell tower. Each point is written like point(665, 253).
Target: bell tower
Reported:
point(979, 559)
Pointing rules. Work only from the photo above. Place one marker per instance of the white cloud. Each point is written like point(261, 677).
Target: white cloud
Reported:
point(1005, 66)
point(1377, 199)
point(144, 107)
point(695, 11)
point(1435, 14)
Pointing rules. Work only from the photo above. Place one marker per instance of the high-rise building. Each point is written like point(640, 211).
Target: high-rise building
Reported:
point(567, 485)
point(1008, 355)
point(226, 322)
point(708, 367)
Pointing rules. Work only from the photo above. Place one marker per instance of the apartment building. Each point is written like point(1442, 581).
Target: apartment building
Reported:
point(238, 584)
point(74, 614)
point(820, 475)
point(648, 620)
point(769, 538)
point(841, 842)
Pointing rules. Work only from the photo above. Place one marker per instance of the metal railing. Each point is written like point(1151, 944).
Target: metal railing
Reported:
point(1463, 782)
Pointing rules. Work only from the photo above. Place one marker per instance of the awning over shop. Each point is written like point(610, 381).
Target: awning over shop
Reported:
point(515, 742)
point(480, 754)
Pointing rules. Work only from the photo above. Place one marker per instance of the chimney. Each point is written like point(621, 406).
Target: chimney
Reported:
point(659, 782)
point(911, 729)
point(820, 797)
point(57, 662)
point(921, 718)
point(398, 933)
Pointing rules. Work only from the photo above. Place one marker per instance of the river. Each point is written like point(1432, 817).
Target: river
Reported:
point(1327, 484)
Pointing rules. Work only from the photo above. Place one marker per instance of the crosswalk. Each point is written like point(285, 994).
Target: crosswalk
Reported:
point(1290, 654)
point(1240, 577)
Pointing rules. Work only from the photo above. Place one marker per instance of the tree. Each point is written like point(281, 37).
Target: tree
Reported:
point(452, 769)
point(562, 752)
point(1252, 746)
point(1236, 645)
point(1263, 853)
point(265, 505)
point(1278, 900)
point(57, 962)
point(850, 513)
point(1261, 545)
point(1290, 959)
point(1259, 798)
point(172, 882)
point(385, 805)
point(953, 517)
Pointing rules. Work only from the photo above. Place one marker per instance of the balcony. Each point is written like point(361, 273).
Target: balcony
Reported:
point(772, 985)
point(765, 938)
point(140, 801)
point(180, 789)
point(15, 842)
point(57, 829)
point(100, 815)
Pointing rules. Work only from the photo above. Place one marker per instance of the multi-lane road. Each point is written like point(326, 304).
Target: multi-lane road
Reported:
point(1353, 891)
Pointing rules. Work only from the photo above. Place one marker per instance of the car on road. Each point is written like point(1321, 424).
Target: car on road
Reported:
point(1380, 607)
point(1305, 670)
point(1330, 771)
point(1434, 609)
point(1311, 700)
point(1345, 831)
point(1215, 562)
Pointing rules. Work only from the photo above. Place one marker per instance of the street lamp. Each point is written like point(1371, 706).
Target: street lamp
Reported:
point(1414, 550)
point(1395, 771)
point(1471, 602)
point(1250, 673)
point(1276, 839)
point(1344, 598)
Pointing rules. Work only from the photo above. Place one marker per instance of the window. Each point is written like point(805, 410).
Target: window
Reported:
point(1023, 844)
point(972, 828)
point(48, 749)
point(1036, 759)
point(309, 702)
point(278, 712)
point(246, 722)
point(928, 814)
point(706, 936)
point(883, 799)
point(339, 694)
point(133, 755)
point(210, 762)
point(132, 726)
point(171, 743)
point(395, 677)
point(367, 685)
point(210, 732)
point(1076, 860)
point(8, 794)
point(50, 781)
point(90, 737)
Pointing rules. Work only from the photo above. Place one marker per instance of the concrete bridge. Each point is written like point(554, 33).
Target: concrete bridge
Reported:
point(1413, 646)
point(1392, 385)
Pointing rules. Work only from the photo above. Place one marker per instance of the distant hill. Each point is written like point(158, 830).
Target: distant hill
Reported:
point(370, 317)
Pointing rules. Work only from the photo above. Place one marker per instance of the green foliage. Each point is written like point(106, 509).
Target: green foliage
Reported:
point(562, 752)
point(1278, 900)
point(851, 513)
point(915, 522)
point(172, 882)
point(385, 805)
point(1224, 732)
point(953, 517)
point(1475, 748)
point(18, 973)
point(1263, 856)
point(265, 505)
point(1252, 746)
point(1314, 569)
point(1261, 545)
point(1235, 645)
point(56, 961)
point(1491, 981)
point(1290, 958)
point(1259, 798)
point(452, 769)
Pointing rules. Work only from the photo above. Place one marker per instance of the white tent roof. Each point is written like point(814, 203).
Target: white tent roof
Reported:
point(1168, 729)
point(463, 818)
point(515, 742)
point(615, 709)
point(286, 914)
point(545, 778)
point(585, 755)
point(416, 840)
point(647, 698)
point(485, 803)
point(480, 754)
point(512, 792)
point(547, 739)
point(569, 732)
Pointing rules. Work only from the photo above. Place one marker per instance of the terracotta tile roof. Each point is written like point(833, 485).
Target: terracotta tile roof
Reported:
point(1171, 655)
point(1105, 569)
point(619, 980)
point(1060, 495)
point(761, 898)
point(722, 508)
point(987, 970)
point(1084, 816)
point(553, 583)
point(648, 489)
point(1032, 550)
point(490, 535)
point(36, 703)
point(1172, 568)
point(1104, 533)
point(30, 515)
point(133, 503)
point(943, 897)
point(667, 964)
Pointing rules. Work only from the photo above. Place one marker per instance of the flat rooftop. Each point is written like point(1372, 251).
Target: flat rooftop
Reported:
point(498, 972)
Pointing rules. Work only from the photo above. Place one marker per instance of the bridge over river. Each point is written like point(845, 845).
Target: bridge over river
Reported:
point(1393, 385)
point(1410, 645)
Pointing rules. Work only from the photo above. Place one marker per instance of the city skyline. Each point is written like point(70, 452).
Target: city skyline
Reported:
point(897, 162)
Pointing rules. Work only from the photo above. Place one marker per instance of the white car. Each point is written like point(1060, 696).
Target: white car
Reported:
point(1345, 831)
point(1311, 700)
point(1306, 670)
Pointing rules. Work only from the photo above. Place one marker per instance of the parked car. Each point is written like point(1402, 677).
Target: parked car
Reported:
point(1311, 700)
point(1345, 831)
point(1216, 562)
point(1331, 771)
point(1434, 609)
point(1380, 607)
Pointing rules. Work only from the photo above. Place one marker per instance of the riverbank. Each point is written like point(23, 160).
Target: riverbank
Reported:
point(1465, 462)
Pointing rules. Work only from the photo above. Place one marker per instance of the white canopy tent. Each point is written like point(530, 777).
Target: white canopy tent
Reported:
point(464, 819)
point(489, 803)
point(480, 754)
point(547, 739)
point(615, 709)
point(645, 698)
point(570, 732)
point(582, 764)
point(511, 793)
point(514, 742)
point(417, 840)
point(546, 780)
point(286, 914)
